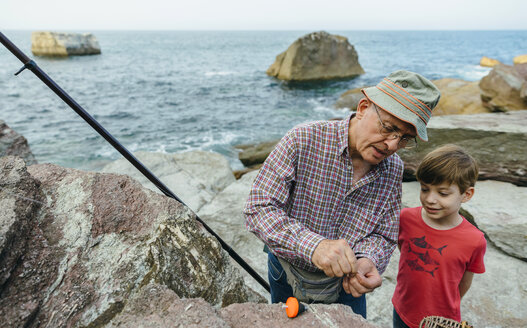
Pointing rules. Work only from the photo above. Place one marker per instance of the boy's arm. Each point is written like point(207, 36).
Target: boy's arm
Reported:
point(465, 283)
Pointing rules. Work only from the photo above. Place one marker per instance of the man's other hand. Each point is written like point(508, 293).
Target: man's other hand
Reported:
point(365, 281)
point(335, 258)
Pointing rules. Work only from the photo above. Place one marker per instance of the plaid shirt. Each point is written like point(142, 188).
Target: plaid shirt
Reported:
point(304, 194)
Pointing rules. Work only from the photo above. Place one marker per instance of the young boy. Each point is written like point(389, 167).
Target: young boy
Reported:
point(440, 249)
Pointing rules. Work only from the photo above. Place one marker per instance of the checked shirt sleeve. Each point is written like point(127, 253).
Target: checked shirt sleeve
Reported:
point(266, 207)
point(380, 244)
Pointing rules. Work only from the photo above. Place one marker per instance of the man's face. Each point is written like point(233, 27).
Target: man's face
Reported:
point(369, 143)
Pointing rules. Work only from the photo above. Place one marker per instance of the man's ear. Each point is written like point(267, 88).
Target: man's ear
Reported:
point(467, 195)
point(362, 106)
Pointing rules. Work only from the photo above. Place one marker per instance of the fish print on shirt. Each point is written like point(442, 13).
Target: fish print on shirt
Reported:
point(421, 243)
point(423, 261)
point(425, 257)
point(414, 265)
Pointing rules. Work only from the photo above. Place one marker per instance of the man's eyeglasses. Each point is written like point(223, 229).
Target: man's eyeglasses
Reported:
point(389, 133)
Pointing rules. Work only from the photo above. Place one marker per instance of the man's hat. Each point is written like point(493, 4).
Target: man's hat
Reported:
point(408, 96)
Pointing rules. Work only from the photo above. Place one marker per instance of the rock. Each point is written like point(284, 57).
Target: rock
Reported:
point(64, 44)
point(271, 316)
point(458, 97)
point(156, 306)
point(12, 143)
point(195, 177)
point(252, 154)
point(350, 99)
point(498, 141)
point(499, 210)
point(521, 59)
point(96, 240)
point(488, 62)
point(17, 189)
point(502, 88)
point(317, 56)
point(224, 215)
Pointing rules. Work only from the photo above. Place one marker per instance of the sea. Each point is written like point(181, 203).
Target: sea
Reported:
point(178, 91)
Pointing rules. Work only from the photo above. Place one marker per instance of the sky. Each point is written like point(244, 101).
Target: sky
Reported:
point(88, 15)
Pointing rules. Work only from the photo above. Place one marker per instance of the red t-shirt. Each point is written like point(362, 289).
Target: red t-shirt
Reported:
point(431, 266)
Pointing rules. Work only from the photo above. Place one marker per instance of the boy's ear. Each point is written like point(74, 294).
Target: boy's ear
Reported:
point(467, 195)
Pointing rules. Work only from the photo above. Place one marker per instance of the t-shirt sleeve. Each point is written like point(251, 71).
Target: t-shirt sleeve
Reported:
point(476, 263)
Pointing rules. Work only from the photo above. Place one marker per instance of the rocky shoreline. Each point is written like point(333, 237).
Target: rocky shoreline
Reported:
point(106, 249)
point(102, 250)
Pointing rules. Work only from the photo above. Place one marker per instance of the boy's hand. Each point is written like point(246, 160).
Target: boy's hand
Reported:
point(335, 258)
point(365, 281)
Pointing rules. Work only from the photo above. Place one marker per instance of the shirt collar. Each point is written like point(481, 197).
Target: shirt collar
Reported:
point(343, 134)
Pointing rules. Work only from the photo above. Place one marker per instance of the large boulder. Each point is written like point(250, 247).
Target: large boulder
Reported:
point(195, 177)
point(458, 97)
point(94, 241)
point(504, 88)
point(17, 208)
point(14, 144)
point(156, 306)
point(317, 56)
point(498, 141)
point(486, 304)
point(64, 44)
point(271, 316)
point(224, 215)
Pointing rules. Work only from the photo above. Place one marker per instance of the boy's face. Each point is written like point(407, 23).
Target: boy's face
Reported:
point(441, 202)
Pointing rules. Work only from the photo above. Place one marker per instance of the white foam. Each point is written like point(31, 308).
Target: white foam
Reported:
point(221, 73)
point(474, 72)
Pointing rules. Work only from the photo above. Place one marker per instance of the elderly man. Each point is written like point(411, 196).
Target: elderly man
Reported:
point(326, 202)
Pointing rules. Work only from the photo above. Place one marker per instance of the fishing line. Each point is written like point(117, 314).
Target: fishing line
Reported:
point(33, 67)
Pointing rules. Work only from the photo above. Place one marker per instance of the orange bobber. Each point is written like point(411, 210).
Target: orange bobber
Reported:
point(293, 307)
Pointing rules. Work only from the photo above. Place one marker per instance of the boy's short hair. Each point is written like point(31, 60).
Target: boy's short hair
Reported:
point(449, 163)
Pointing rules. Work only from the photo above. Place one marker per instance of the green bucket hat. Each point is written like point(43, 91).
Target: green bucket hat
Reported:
point(408, 96)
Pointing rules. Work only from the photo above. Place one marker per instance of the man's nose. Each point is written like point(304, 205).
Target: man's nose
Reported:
point(393, 144)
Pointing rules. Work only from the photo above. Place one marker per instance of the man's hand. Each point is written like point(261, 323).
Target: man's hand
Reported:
point(335, 258)
point(365, 281)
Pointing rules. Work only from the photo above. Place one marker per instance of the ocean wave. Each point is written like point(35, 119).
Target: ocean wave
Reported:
point(221, 73)
point(473, 72)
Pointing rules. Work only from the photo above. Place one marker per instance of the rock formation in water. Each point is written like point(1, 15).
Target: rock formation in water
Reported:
point(317, 56)
point(64, 44)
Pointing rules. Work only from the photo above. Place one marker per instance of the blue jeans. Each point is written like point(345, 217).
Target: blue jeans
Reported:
point(397, 321)
point(281, 290)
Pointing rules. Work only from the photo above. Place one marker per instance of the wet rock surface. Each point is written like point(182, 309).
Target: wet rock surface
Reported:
point(97, 239)
point(14, 144)
point(317, 56)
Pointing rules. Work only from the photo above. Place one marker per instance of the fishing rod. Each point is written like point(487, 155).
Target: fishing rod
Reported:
point(32, 66)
